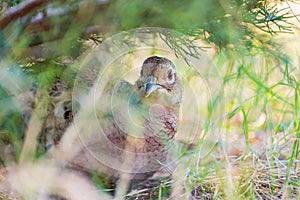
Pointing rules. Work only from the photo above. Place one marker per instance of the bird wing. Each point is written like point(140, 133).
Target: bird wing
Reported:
point(104, 152)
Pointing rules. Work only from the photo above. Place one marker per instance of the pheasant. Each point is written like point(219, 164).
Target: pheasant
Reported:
point(138, 129)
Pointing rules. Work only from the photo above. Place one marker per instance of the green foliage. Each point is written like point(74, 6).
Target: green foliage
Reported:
point(244, 26)
point(12, 127)
point(11, 2)
point(223, 23)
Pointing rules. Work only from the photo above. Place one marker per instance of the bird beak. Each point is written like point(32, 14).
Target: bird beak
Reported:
point(150, 87)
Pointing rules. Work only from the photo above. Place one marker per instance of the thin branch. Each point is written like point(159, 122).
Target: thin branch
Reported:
point(296, 16)
point(53, 23)
point(19, 11)
point(48, 50)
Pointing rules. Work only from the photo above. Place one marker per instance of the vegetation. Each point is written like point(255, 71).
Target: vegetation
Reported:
point(257, 152)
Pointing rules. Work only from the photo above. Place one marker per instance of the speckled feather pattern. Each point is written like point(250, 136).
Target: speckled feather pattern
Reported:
point(158, 114)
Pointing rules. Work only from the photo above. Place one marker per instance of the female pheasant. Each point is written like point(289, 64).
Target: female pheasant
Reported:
point(138, 127)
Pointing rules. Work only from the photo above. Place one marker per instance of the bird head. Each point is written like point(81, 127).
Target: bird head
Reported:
point(158, 76)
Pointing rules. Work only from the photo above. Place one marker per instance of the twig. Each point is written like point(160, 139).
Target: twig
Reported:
point(43, 27)
point(34, 128)
point(19, 11)
point(296, 16)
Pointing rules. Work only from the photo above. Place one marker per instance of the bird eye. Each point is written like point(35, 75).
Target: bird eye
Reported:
point(141, 86)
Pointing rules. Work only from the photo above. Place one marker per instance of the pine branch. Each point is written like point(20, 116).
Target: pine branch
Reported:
point(272, 20)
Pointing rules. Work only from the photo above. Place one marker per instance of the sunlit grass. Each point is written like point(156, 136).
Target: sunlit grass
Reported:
point(261, 158)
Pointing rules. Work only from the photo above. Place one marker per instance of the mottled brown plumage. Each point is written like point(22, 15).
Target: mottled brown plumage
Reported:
point(139, 126)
